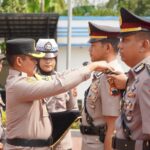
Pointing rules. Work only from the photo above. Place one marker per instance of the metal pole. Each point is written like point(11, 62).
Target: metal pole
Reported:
point(69, 34)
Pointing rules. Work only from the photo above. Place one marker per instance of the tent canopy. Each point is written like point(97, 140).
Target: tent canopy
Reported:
point(28, 25)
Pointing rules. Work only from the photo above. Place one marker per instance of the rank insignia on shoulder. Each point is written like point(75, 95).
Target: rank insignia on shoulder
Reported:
point(139, 68)
point(31, 80)
point(148, 68)
point(37, 76)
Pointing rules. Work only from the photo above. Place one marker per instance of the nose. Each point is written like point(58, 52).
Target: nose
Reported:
point(120, 44)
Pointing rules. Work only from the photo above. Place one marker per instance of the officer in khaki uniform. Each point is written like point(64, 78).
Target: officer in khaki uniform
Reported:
point(61, 102)
point(28, 124)
point(2, 57)
point(133, 125)
point(101, 99)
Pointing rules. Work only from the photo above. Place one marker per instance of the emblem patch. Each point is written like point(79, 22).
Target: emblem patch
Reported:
point(48, 46)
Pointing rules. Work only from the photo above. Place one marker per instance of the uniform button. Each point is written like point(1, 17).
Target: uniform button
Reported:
point(125, 145)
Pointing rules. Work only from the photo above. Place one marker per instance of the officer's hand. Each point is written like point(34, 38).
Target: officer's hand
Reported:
point(119, 80)
point(1, 146)
point(74, 92)
point(99, 66)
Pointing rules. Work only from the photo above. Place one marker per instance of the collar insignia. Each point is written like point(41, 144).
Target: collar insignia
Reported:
point(139, 68)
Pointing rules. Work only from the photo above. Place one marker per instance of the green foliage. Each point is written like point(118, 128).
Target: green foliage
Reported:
point(93, 11)
point(140, 7)
point(58, 6)
point(3, 47)
point(82, 8)
point(15, 6)
point(33, 6)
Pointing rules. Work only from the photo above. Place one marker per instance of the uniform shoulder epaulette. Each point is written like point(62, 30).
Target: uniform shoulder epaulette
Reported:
point(148, 68)
point(37, 76)
point(139, 68)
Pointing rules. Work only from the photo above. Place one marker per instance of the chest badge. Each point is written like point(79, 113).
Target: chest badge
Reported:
point(131, 95)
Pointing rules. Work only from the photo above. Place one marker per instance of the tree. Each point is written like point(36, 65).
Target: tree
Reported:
point(15, 6)
point(140, 7)
point(58, 6)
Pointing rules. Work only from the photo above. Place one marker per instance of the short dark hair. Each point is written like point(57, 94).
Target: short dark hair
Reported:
point(144, 34)
point(11, 59)
point(113, 41)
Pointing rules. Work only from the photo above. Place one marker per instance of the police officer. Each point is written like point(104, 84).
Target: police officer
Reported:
point(101, 99)
point(132, 126)
point(28, 124)
point(2, 57)
point(61, 102)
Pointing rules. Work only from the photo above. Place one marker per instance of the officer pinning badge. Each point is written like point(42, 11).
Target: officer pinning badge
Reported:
point(139, 68)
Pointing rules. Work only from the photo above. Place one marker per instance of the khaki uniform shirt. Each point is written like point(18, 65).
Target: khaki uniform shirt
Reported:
point(58, 103)
point(27, 116)
point(137, 104)
point(99, 103)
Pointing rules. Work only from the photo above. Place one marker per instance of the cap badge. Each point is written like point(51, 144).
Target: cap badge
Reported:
point(48, 46)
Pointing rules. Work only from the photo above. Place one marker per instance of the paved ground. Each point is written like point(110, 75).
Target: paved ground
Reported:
point(76, 139)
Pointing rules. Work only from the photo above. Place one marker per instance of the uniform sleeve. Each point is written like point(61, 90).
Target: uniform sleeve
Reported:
point(110, 104)
point(26, 90)
point(144, 103)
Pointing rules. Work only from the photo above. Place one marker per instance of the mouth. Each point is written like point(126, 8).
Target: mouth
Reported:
point(48, 66)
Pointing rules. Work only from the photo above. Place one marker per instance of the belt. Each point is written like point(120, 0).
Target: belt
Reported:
point(29, 143)
point(92, 130)
point(124, 144)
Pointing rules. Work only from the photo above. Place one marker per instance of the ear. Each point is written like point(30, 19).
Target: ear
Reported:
point(108, 47)
point(146, 44)
point(19, 61)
